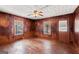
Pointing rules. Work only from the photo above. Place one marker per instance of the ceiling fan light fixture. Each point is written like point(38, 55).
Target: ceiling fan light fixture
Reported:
point(37, 13)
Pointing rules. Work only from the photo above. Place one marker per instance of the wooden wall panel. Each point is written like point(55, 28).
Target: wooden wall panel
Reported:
point(15, 37)
point(65, 37)
point(35, 28)
point(54, 28)
point(27, 32)
point(39, 28)
point(71, 28)
point(4, 26)
point(6, 33)
point(76, 33)
point(28, 29)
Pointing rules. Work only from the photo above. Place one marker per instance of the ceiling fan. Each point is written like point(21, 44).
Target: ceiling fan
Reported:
point(38, 12)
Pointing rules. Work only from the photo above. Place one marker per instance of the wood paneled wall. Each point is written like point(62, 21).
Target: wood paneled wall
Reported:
point(27, 32)
point(4, 28)
point(6, 23)
point(35, 28)
point(76, 34)
point(65, 37)
point(39, 28)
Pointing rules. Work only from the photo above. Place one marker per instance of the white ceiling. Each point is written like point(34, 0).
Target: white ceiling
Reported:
point(50, 11)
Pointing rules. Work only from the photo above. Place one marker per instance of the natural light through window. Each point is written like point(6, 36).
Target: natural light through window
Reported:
point(47, 28)
point(63, 25)
point(76, 25)
point(18, 27)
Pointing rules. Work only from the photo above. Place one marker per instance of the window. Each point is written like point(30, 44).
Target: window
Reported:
point(76, 25)
point(18, 27)
point(63, 25)
point(47, 27)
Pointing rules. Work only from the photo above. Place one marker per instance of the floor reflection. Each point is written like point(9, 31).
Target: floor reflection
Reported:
point(35, 46)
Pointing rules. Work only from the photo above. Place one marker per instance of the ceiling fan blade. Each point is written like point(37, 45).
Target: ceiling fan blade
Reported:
point(40, 12)
point(41, 15)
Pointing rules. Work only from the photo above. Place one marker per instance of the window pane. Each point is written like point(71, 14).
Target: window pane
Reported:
point(18, 27)
point(47, 28)
point(63, 25)
point(76, 25)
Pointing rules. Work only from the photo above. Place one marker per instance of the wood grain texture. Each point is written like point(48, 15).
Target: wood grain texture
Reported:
point(35, 28)
point(76, 34)
point(37, 46)
point(6, 33)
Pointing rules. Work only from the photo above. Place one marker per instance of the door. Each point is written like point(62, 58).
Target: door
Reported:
point(63, 31)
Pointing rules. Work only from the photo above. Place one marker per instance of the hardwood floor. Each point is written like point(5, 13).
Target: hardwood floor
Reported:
point(36, 46)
